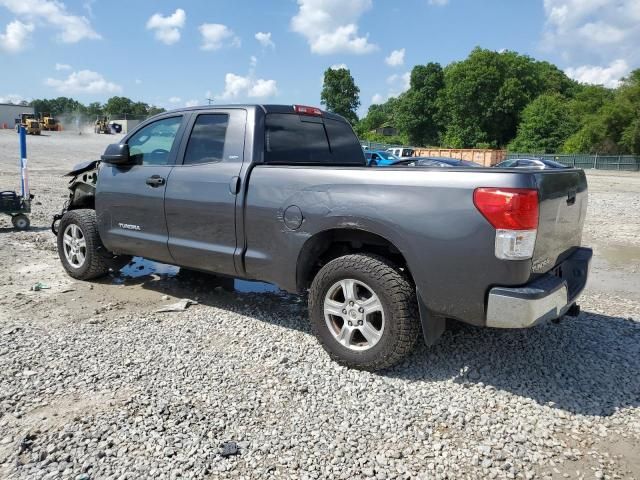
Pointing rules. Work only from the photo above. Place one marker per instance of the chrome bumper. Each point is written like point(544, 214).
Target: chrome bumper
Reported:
point(546, 298)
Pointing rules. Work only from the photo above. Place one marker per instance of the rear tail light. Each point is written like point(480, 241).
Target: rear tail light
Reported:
point(304, 110)
point(513, 212)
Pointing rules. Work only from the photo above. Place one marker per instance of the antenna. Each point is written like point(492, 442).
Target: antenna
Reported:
point(210, 100)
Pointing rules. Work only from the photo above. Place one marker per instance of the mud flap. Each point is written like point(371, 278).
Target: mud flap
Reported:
point(433, 326)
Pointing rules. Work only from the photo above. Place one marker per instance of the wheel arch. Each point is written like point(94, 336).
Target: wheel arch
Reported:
point(329, 244)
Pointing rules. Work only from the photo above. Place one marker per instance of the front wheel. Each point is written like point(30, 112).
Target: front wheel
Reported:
point(364, 312)
point(80, 249)
point(20, 221)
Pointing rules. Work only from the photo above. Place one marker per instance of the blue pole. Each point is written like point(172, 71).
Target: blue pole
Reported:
point(23, 163)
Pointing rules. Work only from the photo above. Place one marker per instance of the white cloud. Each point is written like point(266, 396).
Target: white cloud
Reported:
point(237, 86)
point(592, 32)
point(339, 66)
point(175, 100)
point(88, 6)
point(15, 37)
point(608, 76)
point(62, 66)
point(167, 29)
point(377, 98)
point(253, 61)
point(191, 103)
point(398, 84)
point(73, 28)
point(83, 81)
point(330, 26)
point(234, 86)
point(265, 39)
point(263, 88)
point(395, 58)
point(216, 36)
point(439, 3)
point(12, 98)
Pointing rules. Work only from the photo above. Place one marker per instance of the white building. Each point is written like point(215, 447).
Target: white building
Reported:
point(9, 113)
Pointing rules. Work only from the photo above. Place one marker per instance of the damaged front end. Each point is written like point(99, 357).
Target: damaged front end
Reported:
point(82, 190)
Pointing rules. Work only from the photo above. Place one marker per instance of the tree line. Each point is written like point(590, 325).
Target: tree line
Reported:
point(497, 100)
point(115, 107)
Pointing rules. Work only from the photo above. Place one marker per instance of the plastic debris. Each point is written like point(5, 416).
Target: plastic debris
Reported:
point(229, 448)
point(36, 287)
point(179, 306)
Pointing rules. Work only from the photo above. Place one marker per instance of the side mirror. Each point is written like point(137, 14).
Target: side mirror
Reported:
point(117, 154)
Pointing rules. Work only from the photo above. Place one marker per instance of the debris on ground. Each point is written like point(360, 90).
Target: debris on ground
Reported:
point(36, 287)
point(179, 306)
point(229, 448)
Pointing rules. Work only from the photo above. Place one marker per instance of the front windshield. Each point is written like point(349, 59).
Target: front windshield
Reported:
point(388, 156)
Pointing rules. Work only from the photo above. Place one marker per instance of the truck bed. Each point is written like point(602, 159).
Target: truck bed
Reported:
point(427, 213)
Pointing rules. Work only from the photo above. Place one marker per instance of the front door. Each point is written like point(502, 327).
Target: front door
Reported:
point(130, 199)
point(201, 194)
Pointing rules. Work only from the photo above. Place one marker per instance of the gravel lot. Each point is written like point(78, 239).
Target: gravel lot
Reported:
point(95, 384)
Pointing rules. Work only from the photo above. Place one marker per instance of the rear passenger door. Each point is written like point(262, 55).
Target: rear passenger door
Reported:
point(201, 193)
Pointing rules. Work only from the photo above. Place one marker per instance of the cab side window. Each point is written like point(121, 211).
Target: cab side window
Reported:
point(207, 139)
point(152, 145)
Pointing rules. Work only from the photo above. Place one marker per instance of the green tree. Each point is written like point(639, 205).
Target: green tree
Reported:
point(485, 94)
point(94, 110)
point(57, 106)
point(614, 128)
point(153, 110)
point(546, 125)
point(118, 107)
point(340, 94)
point(377, 116)
point(417, 112)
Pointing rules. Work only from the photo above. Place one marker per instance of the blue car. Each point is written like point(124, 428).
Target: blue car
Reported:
point(378, 158)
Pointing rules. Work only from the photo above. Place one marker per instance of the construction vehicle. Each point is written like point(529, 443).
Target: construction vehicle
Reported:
point(30, 123)
point(102, 125)
point(48, 122)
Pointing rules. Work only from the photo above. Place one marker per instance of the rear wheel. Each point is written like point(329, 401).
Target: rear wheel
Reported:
point(364, 312)
point(80, 249)
point(20, 221)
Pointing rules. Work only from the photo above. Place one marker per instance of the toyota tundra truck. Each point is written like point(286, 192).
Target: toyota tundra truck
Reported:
point(283, 194)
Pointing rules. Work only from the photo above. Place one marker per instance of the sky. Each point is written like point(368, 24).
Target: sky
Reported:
point(175, 53)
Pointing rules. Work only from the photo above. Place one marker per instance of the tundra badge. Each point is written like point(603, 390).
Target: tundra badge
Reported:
point(128, 226)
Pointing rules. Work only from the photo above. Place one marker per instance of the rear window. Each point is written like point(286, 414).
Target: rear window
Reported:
point(298, 139)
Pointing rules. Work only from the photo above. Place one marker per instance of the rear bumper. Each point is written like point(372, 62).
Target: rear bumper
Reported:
point(546, 298)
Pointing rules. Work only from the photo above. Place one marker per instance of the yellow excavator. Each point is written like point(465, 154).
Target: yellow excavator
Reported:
point(102, 125)
point(30, 123)
point(48, 122)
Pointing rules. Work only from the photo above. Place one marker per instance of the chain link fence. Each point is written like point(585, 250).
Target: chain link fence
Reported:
point(629, 163)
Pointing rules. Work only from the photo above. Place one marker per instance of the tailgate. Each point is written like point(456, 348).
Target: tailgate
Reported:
point(563, 206)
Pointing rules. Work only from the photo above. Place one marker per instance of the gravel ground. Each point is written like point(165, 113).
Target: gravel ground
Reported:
point(95, 384)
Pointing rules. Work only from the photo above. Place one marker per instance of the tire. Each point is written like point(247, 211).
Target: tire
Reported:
point(20, 221)
point(395, 325)
point(87, 258)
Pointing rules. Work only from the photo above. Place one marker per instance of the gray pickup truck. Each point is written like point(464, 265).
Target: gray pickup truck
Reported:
point(282, 194)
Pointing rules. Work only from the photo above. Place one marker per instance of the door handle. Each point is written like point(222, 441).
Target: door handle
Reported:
point(234, 185)
point(155, 181)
